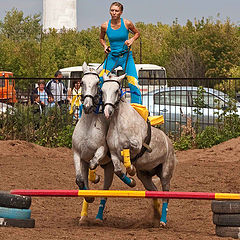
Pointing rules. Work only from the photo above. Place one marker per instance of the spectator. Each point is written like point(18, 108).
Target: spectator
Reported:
point(51, 102)
point(42, 91)
point(74, 96)
point(36, 110)
point(58, 89)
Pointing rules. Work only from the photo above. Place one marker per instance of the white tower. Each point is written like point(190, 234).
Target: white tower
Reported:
point(59, 13)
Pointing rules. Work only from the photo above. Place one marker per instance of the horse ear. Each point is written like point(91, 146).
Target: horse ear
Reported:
point(121, 77)
point(85, 67)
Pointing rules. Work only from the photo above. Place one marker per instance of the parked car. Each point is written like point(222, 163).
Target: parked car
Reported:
point(181, 103)
point(4, 108)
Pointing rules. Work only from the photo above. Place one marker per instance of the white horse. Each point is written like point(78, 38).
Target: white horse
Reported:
point(128, 130)
point(89, 140)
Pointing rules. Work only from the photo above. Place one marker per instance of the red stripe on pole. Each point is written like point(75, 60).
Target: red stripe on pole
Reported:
point(55, 193)
point(180, 195)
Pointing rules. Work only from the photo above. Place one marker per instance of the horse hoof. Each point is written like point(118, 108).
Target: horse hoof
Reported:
point(79, 182)
point(131, 170)
point(82, 220)
point(89, 199)
point(98, 220)
point(133, 183)
point(163, 224)
point(97, 179)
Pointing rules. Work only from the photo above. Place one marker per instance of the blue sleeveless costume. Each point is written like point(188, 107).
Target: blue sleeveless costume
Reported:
point(118, 56)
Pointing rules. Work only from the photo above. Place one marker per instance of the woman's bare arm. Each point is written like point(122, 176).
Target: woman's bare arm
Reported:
point(102, 37)
point(130, 26)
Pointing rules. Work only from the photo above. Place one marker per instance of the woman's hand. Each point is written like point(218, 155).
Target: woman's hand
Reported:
point(129, 42)
point(107, 49)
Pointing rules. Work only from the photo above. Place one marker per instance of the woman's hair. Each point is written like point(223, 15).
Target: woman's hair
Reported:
point(76, 81)
point(50, 95)
point(118, 4)
point(41, 82)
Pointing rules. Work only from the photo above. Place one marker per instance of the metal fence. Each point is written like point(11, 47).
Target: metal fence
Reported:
point(185, 103)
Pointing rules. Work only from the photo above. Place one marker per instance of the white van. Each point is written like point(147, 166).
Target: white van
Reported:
point(151, 77)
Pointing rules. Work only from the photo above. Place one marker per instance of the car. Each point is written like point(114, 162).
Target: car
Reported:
point(6, 108)
point(181, 104)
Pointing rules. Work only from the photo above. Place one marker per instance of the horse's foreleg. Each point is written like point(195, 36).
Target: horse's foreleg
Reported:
point(118, 171)
point(84, 212)
point(84, 170)
point(80, 183)
point(127, 162)
point(93, 177)
point(98, 156)
point(77, 165)
point(108, 178)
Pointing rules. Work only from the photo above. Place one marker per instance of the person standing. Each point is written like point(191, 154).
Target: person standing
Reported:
point(42, 91)
point(36, 110)
point(74, 96)
point(58, 89)
point(119, 54)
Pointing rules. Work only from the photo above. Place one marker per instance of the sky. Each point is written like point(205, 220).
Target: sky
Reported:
point(95, 12)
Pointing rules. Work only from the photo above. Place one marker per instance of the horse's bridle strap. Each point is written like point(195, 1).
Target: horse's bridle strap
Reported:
point(112, 105)
point(91, 73)
point(112, 81)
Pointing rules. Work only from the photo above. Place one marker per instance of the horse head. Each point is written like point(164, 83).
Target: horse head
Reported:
point(111, 93)
point(90, 88)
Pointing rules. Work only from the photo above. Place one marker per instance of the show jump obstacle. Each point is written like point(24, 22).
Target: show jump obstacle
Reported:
point(127, 194)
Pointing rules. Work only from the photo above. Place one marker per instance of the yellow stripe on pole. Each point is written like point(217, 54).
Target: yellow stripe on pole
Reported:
point(227, 196)
point(111, 193)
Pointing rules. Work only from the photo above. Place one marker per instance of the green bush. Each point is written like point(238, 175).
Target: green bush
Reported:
point(184, 143)
point(209, 137)
point(53, 128)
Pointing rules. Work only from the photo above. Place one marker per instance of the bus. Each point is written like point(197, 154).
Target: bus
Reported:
point(7, 87)
point(151, 77)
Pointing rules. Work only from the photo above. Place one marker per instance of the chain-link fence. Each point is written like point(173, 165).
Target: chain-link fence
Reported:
point(46, 110)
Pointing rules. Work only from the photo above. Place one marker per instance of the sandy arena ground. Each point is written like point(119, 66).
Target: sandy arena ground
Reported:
point(29, 166)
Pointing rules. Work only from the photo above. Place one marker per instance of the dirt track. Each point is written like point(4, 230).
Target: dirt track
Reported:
point(25, 165)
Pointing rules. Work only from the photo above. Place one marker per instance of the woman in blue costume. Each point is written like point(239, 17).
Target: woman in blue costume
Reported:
point(117, 30)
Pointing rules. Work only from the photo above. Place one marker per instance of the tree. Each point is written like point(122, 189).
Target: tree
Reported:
point(17, 27)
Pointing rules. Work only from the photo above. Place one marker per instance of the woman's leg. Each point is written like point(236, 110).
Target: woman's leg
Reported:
point(132, 78)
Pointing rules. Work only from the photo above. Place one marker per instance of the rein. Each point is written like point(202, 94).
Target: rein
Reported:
point(118, 56)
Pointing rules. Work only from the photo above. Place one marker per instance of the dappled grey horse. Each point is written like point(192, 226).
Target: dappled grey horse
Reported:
point(89, 139)
point(128, 130)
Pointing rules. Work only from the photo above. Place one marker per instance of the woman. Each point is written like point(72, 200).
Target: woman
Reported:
point(117, 30)
point(43, 92)
point(74, 98)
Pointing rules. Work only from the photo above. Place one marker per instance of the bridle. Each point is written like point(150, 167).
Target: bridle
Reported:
point(119, 95)
point(95, 98)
